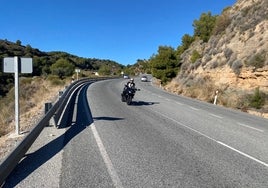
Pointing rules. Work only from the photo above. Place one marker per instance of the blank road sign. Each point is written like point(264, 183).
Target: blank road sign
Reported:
point(9, 64)
point(25, 65)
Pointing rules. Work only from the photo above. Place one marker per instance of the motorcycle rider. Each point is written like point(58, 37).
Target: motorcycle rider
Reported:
point(129, 85)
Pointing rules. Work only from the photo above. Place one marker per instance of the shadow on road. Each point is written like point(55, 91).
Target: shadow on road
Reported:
point(32, 161)
point(107, 118)
point(143, 103)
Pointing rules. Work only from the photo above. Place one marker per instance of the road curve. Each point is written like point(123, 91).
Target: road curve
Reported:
point(161, 140)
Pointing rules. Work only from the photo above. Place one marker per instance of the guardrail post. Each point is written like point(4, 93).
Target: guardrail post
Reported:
point(48, 106)
point(60, 93)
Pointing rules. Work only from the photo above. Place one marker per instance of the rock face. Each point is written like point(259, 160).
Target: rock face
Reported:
point(233, 61)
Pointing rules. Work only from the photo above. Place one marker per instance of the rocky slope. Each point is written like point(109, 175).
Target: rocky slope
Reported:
point(234, 61)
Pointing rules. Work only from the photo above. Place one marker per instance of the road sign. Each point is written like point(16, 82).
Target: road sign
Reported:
point(17, 65)
point(25, 65)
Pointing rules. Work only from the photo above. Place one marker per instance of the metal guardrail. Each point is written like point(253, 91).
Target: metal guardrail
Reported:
point(11, 161)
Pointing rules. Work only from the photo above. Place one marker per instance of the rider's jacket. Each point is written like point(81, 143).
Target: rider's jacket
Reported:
point(131, 85)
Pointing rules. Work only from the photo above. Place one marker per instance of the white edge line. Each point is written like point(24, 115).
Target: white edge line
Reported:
point(244, 125)
point(219, 142)
point(106, 158)
point(244, 154)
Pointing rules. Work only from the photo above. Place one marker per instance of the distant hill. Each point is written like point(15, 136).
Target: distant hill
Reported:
point(42, 62)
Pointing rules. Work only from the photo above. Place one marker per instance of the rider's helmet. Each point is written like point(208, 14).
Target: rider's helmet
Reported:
point(132, 80)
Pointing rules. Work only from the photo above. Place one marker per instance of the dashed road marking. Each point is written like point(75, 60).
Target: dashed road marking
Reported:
point(194, 108)
point(210, 138)
point(214, 115)
point(244, 125)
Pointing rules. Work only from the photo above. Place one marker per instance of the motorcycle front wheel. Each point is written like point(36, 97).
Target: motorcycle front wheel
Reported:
point(129, 100)
point(123, 98)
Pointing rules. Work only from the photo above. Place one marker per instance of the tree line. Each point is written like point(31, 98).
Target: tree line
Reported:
point(166, 64)
point(57, 63)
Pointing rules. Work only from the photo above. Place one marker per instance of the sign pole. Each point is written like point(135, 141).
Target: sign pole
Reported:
point(17, 108)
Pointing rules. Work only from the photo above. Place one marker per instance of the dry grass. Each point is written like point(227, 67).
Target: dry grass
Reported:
point(204, 89)
point(34, 93)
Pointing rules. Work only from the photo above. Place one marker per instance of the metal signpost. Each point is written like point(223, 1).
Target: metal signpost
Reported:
point(17, 65)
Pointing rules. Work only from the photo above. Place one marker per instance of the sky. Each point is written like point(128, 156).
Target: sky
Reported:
point(119, 30)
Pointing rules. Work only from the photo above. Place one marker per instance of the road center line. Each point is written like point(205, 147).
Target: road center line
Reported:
point(194, 108)
point(106, 158)
point(215, 115)
point(244, 125)
point(219, 142)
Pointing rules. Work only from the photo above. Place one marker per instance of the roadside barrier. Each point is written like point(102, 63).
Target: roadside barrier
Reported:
point(55, 112)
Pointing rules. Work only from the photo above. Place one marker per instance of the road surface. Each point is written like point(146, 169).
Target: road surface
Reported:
point(161, 140)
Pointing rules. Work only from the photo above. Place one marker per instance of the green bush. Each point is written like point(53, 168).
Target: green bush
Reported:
point(257, 100)
point(62, 68)
point(195, 56)
point(164, 64)
point(203, 27)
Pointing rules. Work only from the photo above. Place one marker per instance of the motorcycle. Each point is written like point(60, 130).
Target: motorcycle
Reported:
point(128, 94)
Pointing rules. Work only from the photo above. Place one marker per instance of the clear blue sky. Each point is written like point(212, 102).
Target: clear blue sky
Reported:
point(119, 30)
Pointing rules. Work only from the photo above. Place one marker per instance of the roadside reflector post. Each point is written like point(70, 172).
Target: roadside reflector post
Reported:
point(216, 96)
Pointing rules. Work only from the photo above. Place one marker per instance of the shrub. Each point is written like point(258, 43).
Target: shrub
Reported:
point(222, 22)
point(195, 56)
point(214, 65)
point(257, 100)
point(236, 67)
point(62, 68)
point(55, 80)
point(228, 53)
point(257, 61)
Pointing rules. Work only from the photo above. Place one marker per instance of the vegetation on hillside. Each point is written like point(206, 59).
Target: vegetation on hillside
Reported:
point(207, 42)
point(51, 68)
point(166, 64)
point(212, 46)
point(56, 63)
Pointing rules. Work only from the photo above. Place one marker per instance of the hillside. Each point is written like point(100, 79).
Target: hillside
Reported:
point(43, 62)
point(234, 61)
point(44, 82)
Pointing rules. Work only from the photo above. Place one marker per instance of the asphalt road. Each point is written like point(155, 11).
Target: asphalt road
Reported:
point(161, 140)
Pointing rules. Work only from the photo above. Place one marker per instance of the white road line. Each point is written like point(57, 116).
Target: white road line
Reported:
point(219, 142)
point(215, 115)
point(179, 103)
point(106, 158)
point(242, 153)
point(194, 108)
point(244, 125)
